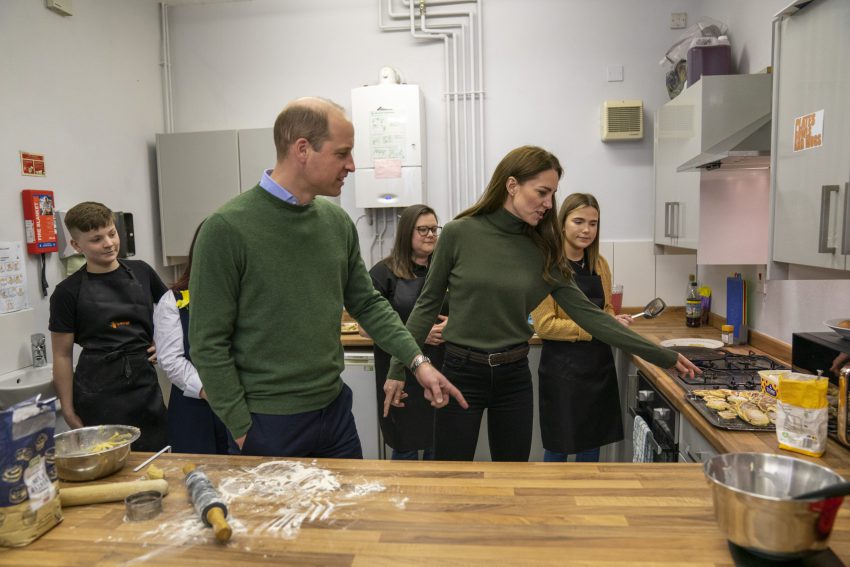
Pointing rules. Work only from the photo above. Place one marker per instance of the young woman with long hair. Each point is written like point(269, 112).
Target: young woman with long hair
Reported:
point(499, 259)
point(400, 277)
point(578, 395)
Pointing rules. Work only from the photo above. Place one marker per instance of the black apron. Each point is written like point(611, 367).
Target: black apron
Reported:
point(113, 382)
point(579, 398)
point(412, 427)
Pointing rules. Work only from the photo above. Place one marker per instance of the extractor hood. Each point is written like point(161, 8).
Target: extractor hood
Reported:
point(731, 127)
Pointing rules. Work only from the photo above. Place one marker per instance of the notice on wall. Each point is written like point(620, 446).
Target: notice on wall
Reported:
point(387, 134)
point(32, 164)
point(13, 277)
point(387, 168)
point(808, 131)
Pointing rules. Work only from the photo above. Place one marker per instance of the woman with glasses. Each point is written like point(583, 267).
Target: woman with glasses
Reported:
point(499, 259)
point(400, 277)
point(578, 397)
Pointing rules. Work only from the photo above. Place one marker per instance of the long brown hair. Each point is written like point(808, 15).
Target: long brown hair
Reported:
point(522, 164)
point(577, 201)
point(183, 281)
point(400, 260)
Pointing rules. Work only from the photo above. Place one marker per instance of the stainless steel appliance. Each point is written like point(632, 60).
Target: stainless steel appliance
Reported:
point(661, 416)
point(815, 353)
point(724, 369)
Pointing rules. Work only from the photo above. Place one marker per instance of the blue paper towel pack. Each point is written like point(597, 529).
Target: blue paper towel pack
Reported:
point(736, 306)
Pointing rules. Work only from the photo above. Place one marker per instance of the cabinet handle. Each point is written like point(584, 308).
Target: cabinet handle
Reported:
point(667, 219)
point(845, 234)
point(823, 229)
point(674, 217)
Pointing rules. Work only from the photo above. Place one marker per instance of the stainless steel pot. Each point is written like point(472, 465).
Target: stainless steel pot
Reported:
point(753, 502)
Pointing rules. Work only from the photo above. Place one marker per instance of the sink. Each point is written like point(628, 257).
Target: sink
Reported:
point(25, 383)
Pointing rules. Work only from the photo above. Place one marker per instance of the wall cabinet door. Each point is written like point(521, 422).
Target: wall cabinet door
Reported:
point(811, 223)
point(200, 171)
point(676, 193)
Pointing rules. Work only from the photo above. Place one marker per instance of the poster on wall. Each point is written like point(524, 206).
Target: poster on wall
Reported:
point(32, 164)
point(13, 277)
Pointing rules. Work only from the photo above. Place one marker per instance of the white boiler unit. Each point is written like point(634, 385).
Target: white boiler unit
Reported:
point(389, 148)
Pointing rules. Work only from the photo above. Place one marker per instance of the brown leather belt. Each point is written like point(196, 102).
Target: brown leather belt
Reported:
point(489, 358)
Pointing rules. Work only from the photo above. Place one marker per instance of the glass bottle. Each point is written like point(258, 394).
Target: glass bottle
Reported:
point(727, 334)
point(693, 303)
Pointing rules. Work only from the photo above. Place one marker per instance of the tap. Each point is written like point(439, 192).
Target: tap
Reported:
point(39, 349)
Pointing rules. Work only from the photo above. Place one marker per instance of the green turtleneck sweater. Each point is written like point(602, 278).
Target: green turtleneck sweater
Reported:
point(494, 273)
point(269, 281)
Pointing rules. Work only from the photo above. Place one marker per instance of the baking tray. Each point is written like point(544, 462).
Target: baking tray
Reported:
point(711, 416)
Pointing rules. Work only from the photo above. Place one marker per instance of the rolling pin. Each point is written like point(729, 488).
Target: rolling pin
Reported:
point(108, 492)
point(207, 502)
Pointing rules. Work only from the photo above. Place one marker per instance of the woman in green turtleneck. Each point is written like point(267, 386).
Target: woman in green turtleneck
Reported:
point(499, 259)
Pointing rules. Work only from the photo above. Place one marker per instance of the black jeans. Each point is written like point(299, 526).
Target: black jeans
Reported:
point(505, 391)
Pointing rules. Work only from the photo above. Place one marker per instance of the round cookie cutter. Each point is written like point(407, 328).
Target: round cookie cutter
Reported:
point(143, 505)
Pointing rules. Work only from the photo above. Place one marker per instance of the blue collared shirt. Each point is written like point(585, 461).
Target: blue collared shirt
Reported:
point(272, 187)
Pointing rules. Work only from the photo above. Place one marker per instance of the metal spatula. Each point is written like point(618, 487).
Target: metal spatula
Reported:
point(652, 310)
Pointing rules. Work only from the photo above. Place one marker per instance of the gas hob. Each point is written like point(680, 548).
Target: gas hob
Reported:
point(723, 369)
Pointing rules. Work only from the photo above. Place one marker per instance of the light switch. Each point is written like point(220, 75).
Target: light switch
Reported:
point(615, 73)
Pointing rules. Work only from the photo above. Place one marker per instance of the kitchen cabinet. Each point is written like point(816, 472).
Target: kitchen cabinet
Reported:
point(722, 121)
point(693, 447)
point(676, 193)
point(811, 143)
point(359, 375)
point(200, 171)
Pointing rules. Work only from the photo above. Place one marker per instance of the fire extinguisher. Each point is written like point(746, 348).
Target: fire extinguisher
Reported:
point(40, 224)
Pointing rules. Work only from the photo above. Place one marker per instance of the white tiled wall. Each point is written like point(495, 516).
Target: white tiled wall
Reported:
point(15, 330)
point(644, 275)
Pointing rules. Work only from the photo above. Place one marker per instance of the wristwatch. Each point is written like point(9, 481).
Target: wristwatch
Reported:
point(418, 361)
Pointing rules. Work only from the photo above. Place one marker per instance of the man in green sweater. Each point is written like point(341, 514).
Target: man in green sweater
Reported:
point(271, 272)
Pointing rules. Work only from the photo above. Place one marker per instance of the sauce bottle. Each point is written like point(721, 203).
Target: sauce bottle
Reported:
point(693, 304)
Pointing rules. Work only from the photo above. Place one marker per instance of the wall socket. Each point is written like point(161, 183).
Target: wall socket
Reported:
point(678, 20)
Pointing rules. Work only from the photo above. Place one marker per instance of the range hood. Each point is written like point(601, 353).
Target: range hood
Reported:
point(731, 127)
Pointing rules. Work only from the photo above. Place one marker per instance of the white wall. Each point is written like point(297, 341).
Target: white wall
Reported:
point(85, 91)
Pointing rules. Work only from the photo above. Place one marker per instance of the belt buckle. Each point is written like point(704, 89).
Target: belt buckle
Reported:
point(490, 359)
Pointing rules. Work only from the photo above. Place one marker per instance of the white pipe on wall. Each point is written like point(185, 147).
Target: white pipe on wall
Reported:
point(464, 92)
point(167, 99)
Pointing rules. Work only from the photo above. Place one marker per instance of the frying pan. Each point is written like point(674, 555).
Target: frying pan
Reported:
point(652, 310)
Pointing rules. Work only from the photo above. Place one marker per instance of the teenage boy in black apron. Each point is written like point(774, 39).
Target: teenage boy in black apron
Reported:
point(106, 307)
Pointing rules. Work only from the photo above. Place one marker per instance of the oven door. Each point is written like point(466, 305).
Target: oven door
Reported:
point(661, 416)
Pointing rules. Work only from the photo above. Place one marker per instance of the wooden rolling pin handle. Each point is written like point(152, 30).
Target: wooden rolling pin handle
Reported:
point(108, 492)
point(215, 516)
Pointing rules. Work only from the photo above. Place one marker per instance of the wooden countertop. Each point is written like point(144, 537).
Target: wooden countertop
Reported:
point(671, 325)
point(414, 513)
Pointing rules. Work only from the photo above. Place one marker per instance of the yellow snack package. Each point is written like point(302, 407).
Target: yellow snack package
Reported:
point(770, 381)
point(802, 413)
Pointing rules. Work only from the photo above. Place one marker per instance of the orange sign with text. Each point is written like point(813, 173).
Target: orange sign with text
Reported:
point(32, 164)
point(808, 131)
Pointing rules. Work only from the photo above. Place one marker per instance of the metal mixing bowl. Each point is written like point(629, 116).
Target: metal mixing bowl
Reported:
point(753, 502)
point(75, 459)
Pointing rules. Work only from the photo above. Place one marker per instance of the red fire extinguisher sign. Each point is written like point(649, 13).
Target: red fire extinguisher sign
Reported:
point(39, 221)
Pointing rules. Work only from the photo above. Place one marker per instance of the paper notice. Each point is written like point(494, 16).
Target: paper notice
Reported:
point(13, 277)
point(387, 168)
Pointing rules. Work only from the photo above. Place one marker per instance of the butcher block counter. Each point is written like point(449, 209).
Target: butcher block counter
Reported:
point(671, 325)
point(336, 512)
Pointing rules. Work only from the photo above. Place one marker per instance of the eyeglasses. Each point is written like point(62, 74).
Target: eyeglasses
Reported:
point(424, 230)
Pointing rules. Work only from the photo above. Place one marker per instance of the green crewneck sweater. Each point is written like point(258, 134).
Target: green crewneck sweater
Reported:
point(269, 281)
point(494, 273)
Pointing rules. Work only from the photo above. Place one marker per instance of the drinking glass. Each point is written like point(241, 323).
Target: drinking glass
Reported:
point(617, 297)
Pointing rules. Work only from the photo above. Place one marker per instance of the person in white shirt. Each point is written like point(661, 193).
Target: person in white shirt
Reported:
point(192, 425)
